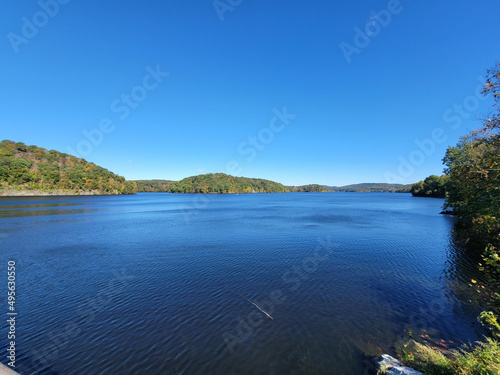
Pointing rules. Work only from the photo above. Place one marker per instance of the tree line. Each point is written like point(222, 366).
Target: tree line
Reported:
point(432, 187)
point(222, 184)
point(212, 183)
point(473, 193)
point(471, 186)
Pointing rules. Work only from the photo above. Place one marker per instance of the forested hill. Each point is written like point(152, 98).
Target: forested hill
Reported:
point(221, 183)
point(372, 188)
point(153, 186)
point(314, 188)
point(32, 168)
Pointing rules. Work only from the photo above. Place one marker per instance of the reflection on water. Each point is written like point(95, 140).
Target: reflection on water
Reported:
point(464, 253)
point(18, 206)
point(22, 213)
point(12, 207)
point(151, 293)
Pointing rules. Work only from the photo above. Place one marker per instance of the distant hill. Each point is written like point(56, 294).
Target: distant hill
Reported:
point(314, 188)
point(32, 168)
point(371, 188)
point(221, 183)
point(153, 186)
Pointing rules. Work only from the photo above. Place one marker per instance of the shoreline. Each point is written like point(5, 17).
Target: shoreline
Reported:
point(41, 193)
point(76, 193)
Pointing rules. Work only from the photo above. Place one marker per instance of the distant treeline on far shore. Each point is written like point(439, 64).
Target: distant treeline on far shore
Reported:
point(34, 169)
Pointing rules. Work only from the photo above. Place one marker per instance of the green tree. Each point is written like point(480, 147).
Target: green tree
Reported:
point(473, 170)
point(20, 146)
point(433, 187)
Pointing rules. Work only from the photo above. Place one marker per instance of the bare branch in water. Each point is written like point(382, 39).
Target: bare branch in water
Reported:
point(253, 303)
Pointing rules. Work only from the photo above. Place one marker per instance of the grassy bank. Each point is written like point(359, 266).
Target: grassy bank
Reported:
point(482, 359)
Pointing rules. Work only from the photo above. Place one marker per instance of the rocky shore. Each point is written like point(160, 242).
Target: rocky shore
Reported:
point(4, 370)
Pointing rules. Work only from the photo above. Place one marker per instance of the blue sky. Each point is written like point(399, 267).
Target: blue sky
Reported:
point(329, 92)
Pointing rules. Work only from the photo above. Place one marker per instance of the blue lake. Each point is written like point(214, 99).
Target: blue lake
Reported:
point(175, 284)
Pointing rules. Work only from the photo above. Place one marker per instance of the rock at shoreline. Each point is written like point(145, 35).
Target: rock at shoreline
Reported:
point(4, 370)
point(386, 364)
point(447, 212)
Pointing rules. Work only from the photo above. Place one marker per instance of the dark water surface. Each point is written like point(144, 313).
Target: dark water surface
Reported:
point(158, 283)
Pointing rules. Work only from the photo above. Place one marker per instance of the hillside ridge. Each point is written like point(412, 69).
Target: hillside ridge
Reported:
point(34, 170)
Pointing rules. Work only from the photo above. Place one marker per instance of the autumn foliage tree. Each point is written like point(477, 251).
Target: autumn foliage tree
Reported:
point(35, 168)
point(473, 170)
point(433, 187)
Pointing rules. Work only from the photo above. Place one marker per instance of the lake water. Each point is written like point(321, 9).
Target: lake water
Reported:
point(167, 284)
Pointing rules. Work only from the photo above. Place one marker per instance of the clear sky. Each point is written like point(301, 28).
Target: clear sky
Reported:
point(329, 92)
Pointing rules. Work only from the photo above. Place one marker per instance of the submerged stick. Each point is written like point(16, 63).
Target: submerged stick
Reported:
point(253, 303)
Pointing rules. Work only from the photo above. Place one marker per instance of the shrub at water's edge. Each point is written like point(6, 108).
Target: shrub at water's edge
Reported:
point(35, 170)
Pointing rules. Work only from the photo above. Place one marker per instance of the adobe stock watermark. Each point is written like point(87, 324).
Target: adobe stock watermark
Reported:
point(86, 313)
point(453, 116)
point(32, 25)
point(122, 107)
point(376, 22)
point(292, 280)
point(249, 148)
point(223, 6)
point(198, 202)
point(255, 144)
